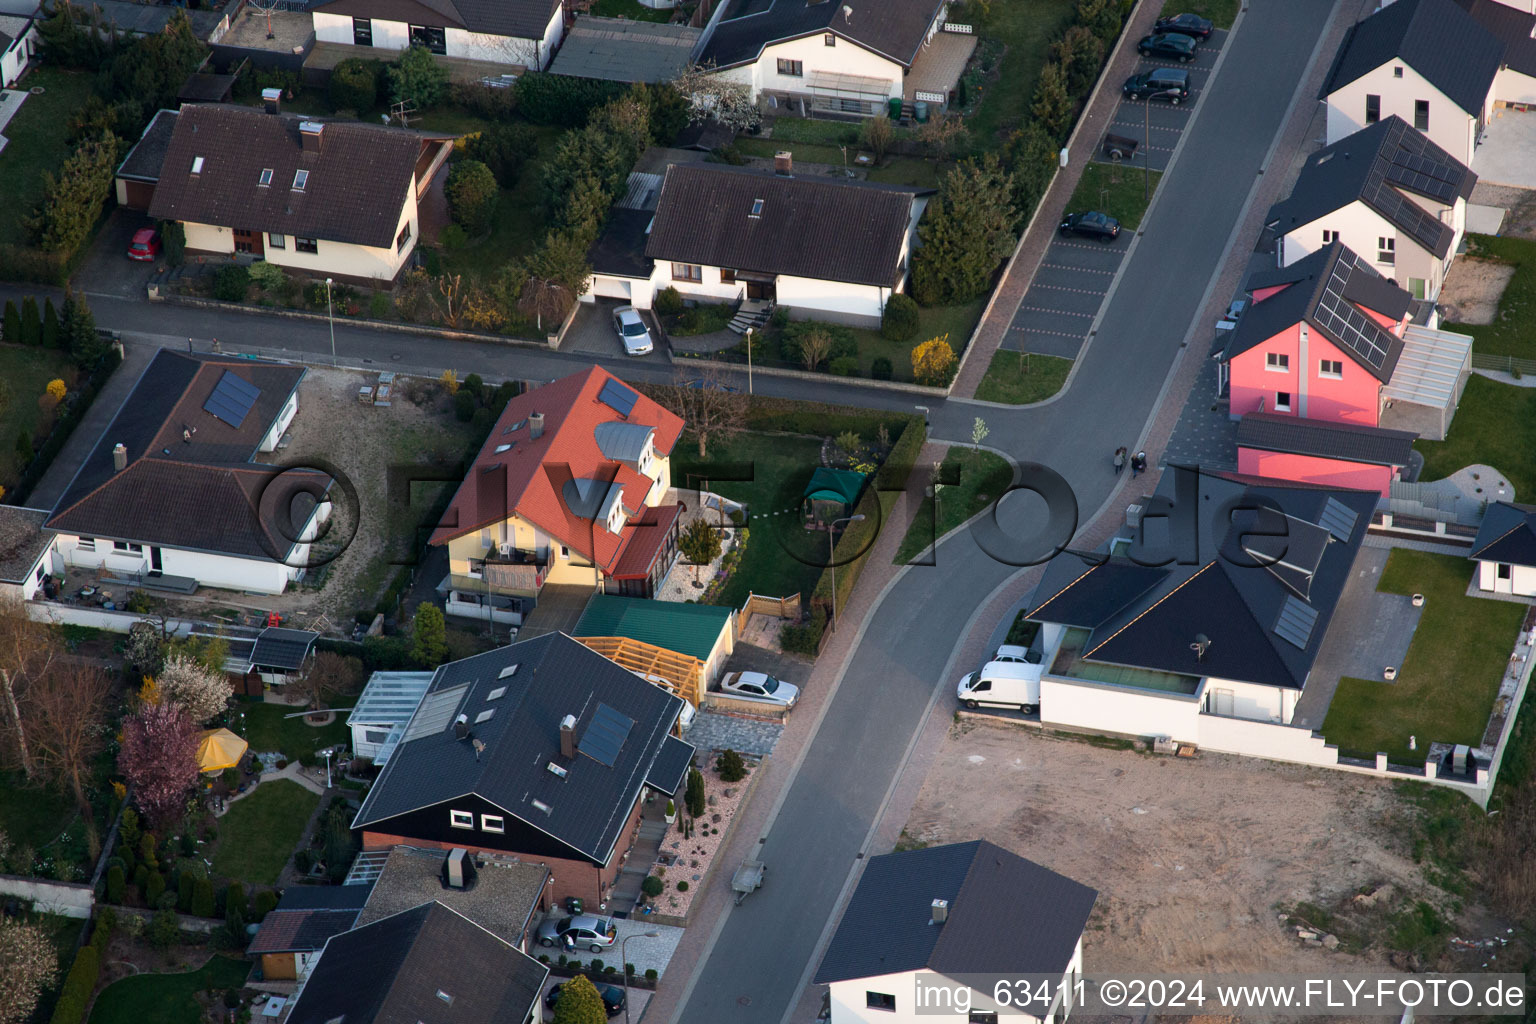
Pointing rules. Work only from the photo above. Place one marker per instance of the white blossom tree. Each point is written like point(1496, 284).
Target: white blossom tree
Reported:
point(202, 691)
point(28, 965)
point(712, 95)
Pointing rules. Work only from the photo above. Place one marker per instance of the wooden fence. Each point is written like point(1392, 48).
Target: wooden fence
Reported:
point(778, 607)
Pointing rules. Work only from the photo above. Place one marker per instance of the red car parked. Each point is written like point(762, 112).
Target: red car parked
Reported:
point(145, 245)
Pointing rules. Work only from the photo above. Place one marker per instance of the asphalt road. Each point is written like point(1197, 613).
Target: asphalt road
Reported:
point(753, 973)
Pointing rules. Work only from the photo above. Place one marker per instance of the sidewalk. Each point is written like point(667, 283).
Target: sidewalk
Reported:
point(1026, 260)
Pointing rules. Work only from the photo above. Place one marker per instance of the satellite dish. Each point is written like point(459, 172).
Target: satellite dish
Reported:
point(848, 14)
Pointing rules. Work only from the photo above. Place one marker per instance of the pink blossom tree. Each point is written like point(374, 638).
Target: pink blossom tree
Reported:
point(159, 759)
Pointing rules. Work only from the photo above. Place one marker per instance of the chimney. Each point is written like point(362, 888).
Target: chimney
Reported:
point(568, 736)
point(309, 134)
point(272, 99)
point(535, 426)
point(458, 869)
point(784, 163)
point(461, 727)
point(119, 458)
point(940, 911)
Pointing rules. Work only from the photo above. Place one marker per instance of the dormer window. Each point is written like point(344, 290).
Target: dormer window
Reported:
point(300, 179)
point(197, 165)
point(266, 177)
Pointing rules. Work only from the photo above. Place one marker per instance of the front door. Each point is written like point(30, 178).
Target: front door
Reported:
point(248, 242)
point(154, 560)
point(760, 291)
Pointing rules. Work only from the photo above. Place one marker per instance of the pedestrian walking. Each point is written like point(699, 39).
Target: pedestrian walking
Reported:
point(1119, 459)
point(1138, 464)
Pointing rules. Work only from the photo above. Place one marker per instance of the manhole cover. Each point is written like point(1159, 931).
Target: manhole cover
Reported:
point(744, 1001)
point(395, 357)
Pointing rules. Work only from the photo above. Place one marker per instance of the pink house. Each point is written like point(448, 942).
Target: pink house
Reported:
point(1343, 455)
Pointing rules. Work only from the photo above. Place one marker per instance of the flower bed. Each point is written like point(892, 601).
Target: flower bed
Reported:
point(692, 857)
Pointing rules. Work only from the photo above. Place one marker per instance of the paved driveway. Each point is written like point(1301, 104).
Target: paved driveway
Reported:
point(1065, 295)
point(592, 334)
point(106, 269)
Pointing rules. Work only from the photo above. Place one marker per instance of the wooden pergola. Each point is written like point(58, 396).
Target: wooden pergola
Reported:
point(682, 674)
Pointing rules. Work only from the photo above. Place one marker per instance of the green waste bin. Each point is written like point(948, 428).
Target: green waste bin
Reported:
point(895, 108)
point(920, 110)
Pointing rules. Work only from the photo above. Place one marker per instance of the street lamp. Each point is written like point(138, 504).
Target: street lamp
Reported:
point(832, 558)
point(749, 360)
point(1146, 114)
point(330, 317)
point(327, 752)
point(625, 957)
point(924, 410)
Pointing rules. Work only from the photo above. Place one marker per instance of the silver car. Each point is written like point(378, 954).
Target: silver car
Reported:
point(760, 686)
point(632, 331)
point(595, 933)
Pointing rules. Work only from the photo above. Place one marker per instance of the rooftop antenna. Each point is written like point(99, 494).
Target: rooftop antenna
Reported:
point(479, 746)
point(265, 7)
point(1200, 646)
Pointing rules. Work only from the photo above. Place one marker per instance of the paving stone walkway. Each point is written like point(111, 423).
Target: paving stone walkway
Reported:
point(714, 731)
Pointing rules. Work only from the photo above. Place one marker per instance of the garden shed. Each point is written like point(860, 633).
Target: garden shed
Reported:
point(832, 492)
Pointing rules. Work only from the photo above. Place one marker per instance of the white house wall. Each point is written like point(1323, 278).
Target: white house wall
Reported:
point(1253, 701)
point(210, 570)
point(1100, 708)
point(1522, 579)
point(1450, 127)
point(396, 35)
point(272, 436)
point(846, 58)
point(14, 61)
point(1265, 739)
point(849, 1002)
point(1362, 228)
point(496, 49)
point(811, 299)
point(1510, 86)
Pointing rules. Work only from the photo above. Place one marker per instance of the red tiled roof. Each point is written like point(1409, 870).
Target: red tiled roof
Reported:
point(529, 477)
point(644, 538)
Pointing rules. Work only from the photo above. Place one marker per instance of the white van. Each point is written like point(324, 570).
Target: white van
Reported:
point(1012, 684)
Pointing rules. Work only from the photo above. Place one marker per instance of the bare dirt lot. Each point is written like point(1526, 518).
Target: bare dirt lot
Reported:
point(1472, 290)
point(1193, 859)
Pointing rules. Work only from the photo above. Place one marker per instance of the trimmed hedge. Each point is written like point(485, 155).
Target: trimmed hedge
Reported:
point(81, 981)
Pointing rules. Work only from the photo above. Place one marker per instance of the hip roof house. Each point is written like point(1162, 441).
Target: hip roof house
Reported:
point(1505, 549)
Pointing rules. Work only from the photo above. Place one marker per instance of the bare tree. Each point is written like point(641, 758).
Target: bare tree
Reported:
point(69, 728)
point(714, 96)
point(28, 965)
point(543, 297)
point(815, 346)
point(709, 406)
point(330, 674)
point(877, 133)
point(939, 134)
point(27, 652)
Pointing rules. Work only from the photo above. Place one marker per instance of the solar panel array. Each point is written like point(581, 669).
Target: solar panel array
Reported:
point(618, 397)
point(1407, 215)
point(1345, 324)
point(232, 399)
point(1435, 175)
point(605, 735)
point(1338, 519)
point(1295, 623)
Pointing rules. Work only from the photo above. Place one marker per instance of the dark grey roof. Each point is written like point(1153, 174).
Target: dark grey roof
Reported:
point(809, 227)
point(392, 971)
point(205, 87)
point(1507, 534)
point(325, 897)
point(704, 136)
point(301, 930)
point(666, 774)
point(282, 648)
point(1436, 38)
point(1234, 597)
point(1067, 594)
point(524, 19)
point(1511, 27)
point(502, 899)
point(555, 676)
point(1375, 166)
point(199, 491)
point(1349, 441)
point(22, 541)
point(620, 50)
point(1007, 915)
point(895, 29)
point(143, 161)
point(1325, 289)
point(620, 249)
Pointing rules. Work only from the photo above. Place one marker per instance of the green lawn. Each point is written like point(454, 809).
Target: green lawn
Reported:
point(266, 729)
point(1445, 687)
point(628, 9)
point(167, 998)
point(519, 224)
point(259, 833)
point(932, 321)
point(779, 468)
point(1222, 12)
point(1496, 426)
point(1019, 379)
point(1119, 190)
point(25, 372)
point(1511, 333)
point(980, 476)
point(705, 319)
point(37, 143)
point(32, 815)
point(1025, 30)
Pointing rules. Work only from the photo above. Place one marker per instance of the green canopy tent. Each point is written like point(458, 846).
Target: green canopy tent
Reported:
point(832, 492)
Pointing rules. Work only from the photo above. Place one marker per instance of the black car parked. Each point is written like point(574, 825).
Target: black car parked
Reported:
point(1168, 44)
point(613, 998)
point(1186, 24)
point(1171, 84)
point(1091, 224)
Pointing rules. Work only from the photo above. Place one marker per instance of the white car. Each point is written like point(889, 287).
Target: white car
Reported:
point(632, 331)
point(1015, 653)
point(760, 686)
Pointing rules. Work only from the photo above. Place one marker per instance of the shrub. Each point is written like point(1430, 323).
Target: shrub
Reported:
point(31, 322)
point(682, 886)
point(378, 305)
point(11, 332)
point(141, 881)
point(173, 242)
point(667, 302)
point(154, 889)
point(483, 100)
point(464, 406)
point(651, 974)
point(504, 148)
point(234, 899)
point(899, 323)
point(115, 884)
point(164, 929)
point(482, 422)
point(694, 795)
point(933, 362)
point(803, 637)
point(652, 886)
point(231, 283)
point(267, 276)
point(202, 898)
point(24, 450)
point(417, 78)
point(880, 368)
point(730, 766)
point(50, 325)
point(845, 366)
point(354, 84)
point(266, 902)
point(472, 195)
point(556, 99)
point(184, 892)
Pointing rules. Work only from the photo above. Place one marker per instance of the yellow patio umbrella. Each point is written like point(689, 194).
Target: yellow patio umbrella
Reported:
point(219, 749)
